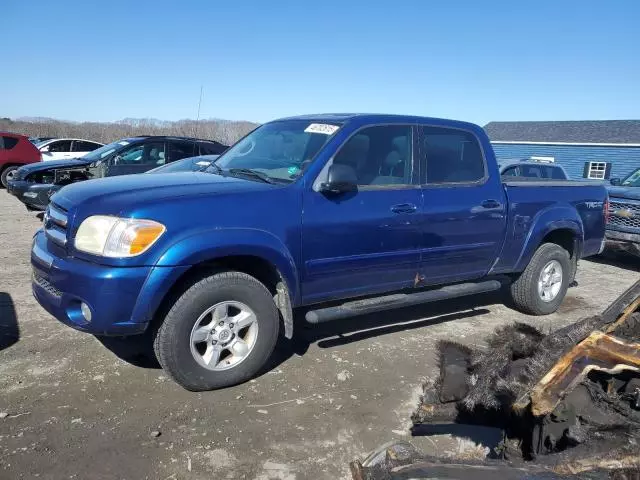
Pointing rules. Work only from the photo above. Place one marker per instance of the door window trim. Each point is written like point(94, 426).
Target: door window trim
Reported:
point(423, 175)
point(415, 179)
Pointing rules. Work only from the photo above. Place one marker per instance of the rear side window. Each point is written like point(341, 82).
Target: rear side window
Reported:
point(451, 156)
point(211, 148)
point(80, 146)
point(7, 143)
point(556, 173)
point(180, 149)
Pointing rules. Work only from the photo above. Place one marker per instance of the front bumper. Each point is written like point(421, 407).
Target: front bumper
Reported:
point(34, 195)
point(61, 285)
point(623, 240)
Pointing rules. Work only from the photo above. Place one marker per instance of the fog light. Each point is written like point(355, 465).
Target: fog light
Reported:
point(86, 311)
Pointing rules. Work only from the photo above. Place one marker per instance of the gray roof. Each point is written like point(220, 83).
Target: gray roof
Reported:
point(585, 131)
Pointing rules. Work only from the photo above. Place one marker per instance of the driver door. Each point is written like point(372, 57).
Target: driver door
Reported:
point(365, 242)
point(138, 158)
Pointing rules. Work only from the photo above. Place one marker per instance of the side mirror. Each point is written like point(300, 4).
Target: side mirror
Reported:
point(615, 181)
point(340, 179)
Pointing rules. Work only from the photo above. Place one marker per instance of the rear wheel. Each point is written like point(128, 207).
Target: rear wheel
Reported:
point(7, 174)
point(220, 332)
point(541, 288)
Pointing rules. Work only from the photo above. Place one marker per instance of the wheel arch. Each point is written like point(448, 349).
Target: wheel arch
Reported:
point(565, 229)
point(272, 266)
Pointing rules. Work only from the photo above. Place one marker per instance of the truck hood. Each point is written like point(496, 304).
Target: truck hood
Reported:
point(630, 193)
point(49, 164)
point(126, 192)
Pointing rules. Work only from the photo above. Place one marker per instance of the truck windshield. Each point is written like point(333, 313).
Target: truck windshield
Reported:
point(278, 151)
point(632, 180)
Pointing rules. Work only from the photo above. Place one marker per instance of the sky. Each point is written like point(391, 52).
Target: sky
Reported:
point(259, 60)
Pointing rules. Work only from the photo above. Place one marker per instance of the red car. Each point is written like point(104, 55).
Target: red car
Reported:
point(15, 151)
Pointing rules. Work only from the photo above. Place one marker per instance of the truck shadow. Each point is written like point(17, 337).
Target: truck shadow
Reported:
point(9, 330)
point(618, 259)
point(138, 351)
point(356, 329)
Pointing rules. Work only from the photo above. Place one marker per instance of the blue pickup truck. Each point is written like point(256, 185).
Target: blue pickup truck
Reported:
point(342, 214)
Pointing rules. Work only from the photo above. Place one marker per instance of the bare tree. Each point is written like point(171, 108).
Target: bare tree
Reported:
point(224, 131)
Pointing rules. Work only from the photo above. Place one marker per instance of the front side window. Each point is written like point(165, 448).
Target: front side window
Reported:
point(632, 180)
point(379, 155)
point(451, 156)
point(151, 153)
point(60, 146)
point(278, 151)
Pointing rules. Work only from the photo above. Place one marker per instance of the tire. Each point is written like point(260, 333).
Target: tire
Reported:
point(4, 180)
point(524, 290)
point(174, 341)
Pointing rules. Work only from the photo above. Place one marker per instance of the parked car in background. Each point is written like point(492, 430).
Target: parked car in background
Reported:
point(533, 169)
point(35, 140)
point(65, 148)
point(34, 184)
point(623, 227)
point(190, 164)
point(339, 214)
point(15, 151)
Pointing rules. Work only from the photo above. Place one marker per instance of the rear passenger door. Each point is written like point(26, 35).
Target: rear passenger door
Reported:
point(463, 214)
point(368, 241)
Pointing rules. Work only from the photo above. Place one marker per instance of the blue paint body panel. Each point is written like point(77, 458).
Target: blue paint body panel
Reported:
point(324, 247)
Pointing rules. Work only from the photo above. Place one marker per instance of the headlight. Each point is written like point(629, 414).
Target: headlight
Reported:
point(117, 237)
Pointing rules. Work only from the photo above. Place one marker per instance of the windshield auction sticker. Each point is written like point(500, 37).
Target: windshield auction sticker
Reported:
point(323, 128)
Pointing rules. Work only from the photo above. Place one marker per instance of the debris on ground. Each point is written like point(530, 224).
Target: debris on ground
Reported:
point(567, 403)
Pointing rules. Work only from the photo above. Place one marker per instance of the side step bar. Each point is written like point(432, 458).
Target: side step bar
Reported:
point(388, 302)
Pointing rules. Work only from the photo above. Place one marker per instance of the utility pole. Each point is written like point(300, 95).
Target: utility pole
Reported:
point(198, 117)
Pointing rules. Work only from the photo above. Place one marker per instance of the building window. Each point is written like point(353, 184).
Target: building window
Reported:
point(597, 170)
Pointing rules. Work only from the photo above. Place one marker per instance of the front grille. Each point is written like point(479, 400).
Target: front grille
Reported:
point(55, 224)
point(624, 214)
point(42, 282)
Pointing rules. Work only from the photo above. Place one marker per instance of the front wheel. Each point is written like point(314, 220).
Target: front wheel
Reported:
point(541, 288)
point(7, 174)
point(219, 333)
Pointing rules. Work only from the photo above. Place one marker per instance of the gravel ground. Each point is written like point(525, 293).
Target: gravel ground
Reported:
point(72, 408)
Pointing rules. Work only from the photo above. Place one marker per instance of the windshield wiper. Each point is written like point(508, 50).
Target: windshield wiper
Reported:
point(252, 173)
point(216, 168)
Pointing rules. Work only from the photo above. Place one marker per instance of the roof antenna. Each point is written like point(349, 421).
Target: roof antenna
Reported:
point(198, 117)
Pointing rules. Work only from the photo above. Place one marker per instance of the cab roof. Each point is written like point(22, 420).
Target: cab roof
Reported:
point(377, 118)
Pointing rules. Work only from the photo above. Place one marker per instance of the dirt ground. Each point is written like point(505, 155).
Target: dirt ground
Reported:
point(72, 408)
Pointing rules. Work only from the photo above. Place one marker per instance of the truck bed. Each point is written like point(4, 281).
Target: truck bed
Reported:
point(538, 206)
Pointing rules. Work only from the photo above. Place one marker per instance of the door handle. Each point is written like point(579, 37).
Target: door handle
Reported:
point(404, 208)
point(491, 204)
